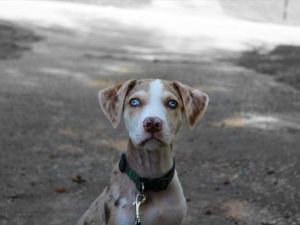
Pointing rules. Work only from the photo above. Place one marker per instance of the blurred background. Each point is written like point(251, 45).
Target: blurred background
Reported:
point(240, 166)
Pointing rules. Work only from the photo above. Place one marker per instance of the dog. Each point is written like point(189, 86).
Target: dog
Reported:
point(144, 187)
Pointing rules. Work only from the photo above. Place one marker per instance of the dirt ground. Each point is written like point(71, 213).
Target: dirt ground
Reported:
point(282, 63)
point(239, 166)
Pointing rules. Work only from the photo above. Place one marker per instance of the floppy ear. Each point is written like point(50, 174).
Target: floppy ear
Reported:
point(112, 101)
point(194, 102)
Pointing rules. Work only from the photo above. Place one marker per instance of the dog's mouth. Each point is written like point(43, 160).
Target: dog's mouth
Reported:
point(154, 139)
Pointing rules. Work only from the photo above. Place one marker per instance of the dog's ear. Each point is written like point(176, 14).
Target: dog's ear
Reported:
point(112, 101)
point(194, 102)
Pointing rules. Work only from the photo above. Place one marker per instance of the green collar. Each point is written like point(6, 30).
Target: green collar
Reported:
point(146, 184)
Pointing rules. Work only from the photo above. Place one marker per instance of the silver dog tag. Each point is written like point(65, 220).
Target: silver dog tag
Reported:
point(139, 199)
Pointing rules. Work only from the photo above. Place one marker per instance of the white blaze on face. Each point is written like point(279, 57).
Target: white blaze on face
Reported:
point(154, 107)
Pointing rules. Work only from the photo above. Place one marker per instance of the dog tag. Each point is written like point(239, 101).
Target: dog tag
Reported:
point(139, 199)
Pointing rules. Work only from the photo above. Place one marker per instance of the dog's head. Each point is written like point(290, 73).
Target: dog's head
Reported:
point(152, 109)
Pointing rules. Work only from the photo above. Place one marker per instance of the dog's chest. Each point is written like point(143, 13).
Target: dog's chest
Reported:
point(164, 214)
point(167, 211)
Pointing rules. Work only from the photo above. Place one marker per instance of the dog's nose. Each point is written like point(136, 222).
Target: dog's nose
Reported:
point(152, 124)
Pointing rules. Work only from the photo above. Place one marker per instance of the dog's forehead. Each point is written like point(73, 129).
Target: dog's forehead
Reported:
point(141, 85)
point(154, 86)
point(169, 87)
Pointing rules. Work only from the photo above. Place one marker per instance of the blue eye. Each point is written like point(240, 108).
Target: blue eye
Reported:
point(172, 104)
point(135, 102)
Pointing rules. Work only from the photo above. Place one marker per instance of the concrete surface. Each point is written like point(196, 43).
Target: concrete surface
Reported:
point(239, 166)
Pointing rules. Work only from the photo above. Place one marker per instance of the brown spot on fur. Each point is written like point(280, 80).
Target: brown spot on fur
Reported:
point(106, 213)
point(113, 107)
point(115, 99)
point(112, 92)
point(188, 99)
point(117, 202)
point(131, 86)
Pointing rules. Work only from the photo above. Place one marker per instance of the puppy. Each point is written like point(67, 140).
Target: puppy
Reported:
point(144, 187)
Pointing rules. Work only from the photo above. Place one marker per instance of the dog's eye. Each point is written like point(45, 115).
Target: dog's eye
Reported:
point(172, 104)
point(135, 102)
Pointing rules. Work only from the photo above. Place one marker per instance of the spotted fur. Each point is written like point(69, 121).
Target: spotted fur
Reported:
point(194, 101)
point(112, 100)
point(153, 159)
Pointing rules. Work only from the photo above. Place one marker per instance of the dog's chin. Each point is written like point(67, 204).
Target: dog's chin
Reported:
point(152, 143)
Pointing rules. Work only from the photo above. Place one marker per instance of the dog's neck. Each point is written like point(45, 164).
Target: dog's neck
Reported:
point(150, 163)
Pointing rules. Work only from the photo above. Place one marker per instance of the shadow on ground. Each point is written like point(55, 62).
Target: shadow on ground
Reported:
point(282, 63)
point(15, 40)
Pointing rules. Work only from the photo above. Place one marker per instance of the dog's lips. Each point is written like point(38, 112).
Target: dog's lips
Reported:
point(152, 138)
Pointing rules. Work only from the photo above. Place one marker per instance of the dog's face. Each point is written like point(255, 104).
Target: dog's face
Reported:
point(152, 109)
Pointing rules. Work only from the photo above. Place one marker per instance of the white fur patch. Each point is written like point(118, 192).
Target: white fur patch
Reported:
point(155, 108)
point(122, 218)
